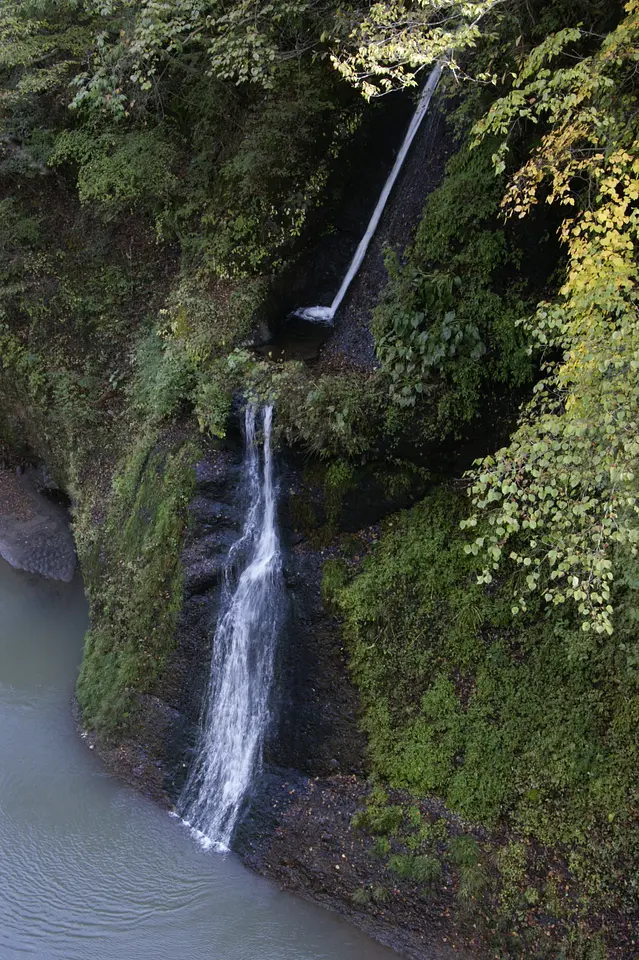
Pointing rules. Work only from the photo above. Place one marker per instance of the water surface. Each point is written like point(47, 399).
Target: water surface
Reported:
point(90, 870)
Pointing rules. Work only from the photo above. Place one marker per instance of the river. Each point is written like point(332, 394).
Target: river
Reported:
point(90, 870)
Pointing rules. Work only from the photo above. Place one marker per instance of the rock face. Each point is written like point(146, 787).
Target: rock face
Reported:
point(34, 532)
point(314, 709)
point(216, 514)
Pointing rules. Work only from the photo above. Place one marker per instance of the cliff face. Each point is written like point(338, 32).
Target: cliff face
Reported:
point(298, 825)
point(314, 729)
point(150, 730)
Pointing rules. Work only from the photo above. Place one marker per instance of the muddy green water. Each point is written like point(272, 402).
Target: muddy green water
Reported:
point(89, 870)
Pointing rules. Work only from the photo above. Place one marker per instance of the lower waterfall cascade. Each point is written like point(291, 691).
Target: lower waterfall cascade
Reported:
point(236, 712)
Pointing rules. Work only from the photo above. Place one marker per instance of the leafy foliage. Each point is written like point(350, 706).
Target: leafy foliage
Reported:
point(446, 309)
point(40, 46)
point(271, 183)
point(386, 44)
point(412, 349)
point(118, 171)
point(178, 361)
point(244, 42)
point(567, 479)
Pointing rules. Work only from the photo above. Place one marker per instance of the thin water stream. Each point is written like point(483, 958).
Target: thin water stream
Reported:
point(327, 314)
point(89, 870)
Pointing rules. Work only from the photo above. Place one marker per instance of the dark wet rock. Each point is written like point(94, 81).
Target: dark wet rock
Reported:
point(314, 728)
point(214, 514)
point(352, 340)
point(204, 559)
point(137, 758)
point(317, 707)
point(153, 755)
point(215, 523)
point(202, 577)
point(34, 531)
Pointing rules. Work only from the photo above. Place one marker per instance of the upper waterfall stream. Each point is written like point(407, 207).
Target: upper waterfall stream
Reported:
point(237, 703)
point(327, 314)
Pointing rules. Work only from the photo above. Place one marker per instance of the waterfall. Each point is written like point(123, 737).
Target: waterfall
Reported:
point(326, 314)
point(236, 713)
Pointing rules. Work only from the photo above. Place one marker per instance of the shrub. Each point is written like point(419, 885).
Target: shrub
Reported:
point(493, 714)
point(118, 171)
point(446, 327)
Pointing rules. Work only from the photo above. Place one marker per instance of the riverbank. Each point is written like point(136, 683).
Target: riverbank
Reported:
point(317, 851)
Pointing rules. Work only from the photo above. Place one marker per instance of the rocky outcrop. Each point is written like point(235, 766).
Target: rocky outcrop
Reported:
point(34, 531)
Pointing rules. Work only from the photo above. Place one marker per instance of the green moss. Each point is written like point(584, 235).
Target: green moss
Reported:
point(497, 715)
point(340, 478)
point(133, 574)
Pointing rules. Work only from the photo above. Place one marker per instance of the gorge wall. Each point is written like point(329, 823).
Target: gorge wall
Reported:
point(452, 761)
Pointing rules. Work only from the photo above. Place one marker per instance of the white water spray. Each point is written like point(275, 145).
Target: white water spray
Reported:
point(327, 314)
point(236, 714)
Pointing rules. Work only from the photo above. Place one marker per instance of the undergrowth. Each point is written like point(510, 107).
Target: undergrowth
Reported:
point(446, 328)
point(503, 718)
